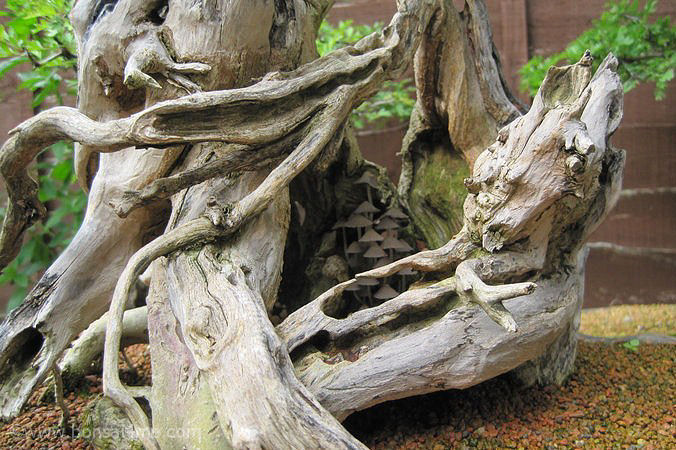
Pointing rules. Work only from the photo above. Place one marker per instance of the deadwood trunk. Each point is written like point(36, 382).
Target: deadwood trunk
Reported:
point(214, 122)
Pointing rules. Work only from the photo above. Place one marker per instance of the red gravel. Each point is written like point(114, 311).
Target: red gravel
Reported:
point(618, 398)
point(38, 425)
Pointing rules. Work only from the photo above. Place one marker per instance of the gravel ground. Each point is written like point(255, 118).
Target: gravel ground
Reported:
point(38, 425)
point(619, 397)
point(627, 320)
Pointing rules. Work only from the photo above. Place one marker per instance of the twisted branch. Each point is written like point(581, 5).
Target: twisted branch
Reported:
point(220, 223)
point(269, 111)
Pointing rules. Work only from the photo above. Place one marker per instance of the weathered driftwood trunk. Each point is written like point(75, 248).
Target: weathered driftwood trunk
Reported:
point(76, 289)
point(535, 197)
point(462, 103)
point(503, 291)
point(117, 42)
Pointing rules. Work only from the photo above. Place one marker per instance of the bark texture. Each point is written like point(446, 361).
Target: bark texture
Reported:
point(462, 102)
point(202, 130)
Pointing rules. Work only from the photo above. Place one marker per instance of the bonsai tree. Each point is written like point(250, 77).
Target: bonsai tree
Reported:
point(199, 124)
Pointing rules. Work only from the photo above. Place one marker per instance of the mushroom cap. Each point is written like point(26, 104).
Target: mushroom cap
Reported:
point(353, 287)
point(339, 224)
point(395, 213)
point(368, 282)
point(385, 292)
point(365, 208)
point(391, 242)
point(357, 221)
point(368, 178)
point(403, 247)
point(374, 252)
point(407, 271)
point(389, 233)
point(382, 262)
point(371, 235)
point(354, 249)
point(387, 224)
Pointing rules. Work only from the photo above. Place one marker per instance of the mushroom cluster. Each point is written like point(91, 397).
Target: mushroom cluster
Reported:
point(371, 239)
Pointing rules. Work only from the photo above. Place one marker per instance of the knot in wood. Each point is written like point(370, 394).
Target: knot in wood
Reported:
point(217, 213)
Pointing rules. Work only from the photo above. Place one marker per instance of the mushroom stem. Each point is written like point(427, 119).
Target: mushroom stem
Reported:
point(347, 257)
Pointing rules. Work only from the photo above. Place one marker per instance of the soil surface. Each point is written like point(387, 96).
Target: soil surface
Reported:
point(617, 398)
point(620, 396)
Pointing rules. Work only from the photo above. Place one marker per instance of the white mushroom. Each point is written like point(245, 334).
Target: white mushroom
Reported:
point(371, 236)
point(385, 292)
point(374, 252)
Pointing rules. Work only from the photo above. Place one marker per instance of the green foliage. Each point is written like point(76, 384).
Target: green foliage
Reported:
point(45, 241)
point(632, 345)
point(644, 45)
point(38, 33)
point(394, 100)
point(345, 33)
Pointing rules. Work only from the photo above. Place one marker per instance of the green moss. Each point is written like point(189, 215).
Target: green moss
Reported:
point(479, 253)
point(438, 195)
point(105, 426)
point(87, 428)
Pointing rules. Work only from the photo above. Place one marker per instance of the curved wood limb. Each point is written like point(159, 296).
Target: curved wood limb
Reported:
point(198, 230)
point(456, 347)
point(442, 259)
point(313, 318)
point(490, 298)
point(149, 55)
point(219, 223)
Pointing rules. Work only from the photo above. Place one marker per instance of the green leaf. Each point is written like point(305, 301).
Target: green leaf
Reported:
point(62, 171)
point(632, 344)
point(40, 97)
point(47, 192)
point(9, 64)
point(21, 26)
point(644, 44)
